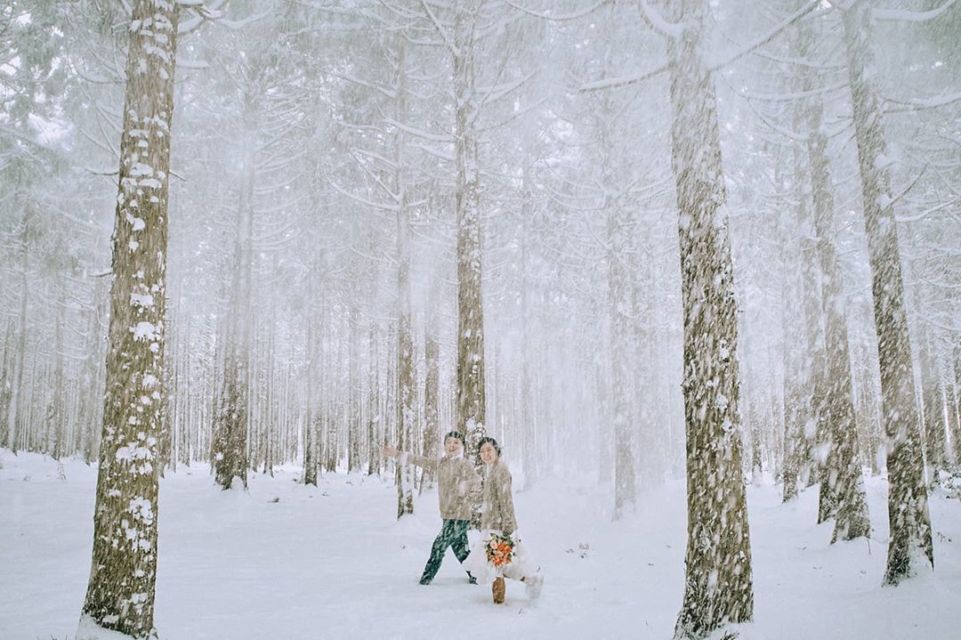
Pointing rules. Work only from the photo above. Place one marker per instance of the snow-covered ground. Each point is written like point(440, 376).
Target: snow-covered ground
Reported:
point(285, 561)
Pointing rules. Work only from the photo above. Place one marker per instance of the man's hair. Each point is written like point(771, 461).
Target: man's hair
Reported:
point(458, 435)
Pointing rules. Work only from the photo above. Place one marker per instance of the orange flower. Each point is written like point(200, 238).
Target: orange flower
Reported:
point(500, 550)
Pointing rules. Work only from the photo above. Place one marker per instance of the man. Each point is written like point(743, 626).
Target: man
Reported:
point(458, 484)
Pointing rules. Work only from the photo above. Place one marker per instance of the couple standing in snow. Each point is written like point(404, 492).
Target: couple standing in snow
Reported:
point(498, 553)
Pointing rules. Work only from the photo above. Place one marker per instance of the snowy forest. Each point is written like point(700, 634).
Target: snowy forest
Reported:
point(693, 265)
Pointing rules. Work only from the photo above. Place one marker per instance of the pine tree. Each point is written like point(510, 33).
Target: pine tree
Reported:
point(120, 594)
point(471, 394)
point(718, 586)
point(910, 524)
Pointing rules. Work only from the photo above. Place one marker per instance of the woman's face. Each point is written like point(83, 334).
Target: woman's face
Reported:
point(488, 453)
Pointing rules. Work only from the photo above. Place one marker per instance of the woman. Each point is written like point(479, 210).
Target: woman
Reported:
point(498, 522)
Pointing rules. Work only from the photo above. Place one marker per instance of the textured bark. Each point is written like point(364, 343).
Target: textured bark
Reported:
point(934, 401)
point(841, 491)
point(120, 594)
point(405, 379)
point(431, 400)
point(807, 369)
point(6, 387)
point(230, 440)
point(311, 419)
point(406, 411)
point(910, 524)
point(842, 488)
point(14, 417)
point(718, 585)
point(56, 411)
point(355, 432)
point(471, 393)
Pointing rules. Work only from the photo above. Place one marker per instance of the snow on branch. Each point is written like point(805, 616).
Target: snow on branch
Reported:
point(657, 22)
point(767, 37)
point(567, 16)
point(795, 95)
point(900, 15)
point(420, 133)
point(612, 83)
point(386, 92)
point(495, 93)
point(440, 29)
point(202, 12)
point(433, 151)
point(923, 103)
point(921, 215)
point(356, 198)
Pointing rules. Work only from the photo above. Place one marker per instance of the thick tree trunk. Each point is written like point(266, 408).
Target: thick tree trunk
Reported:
point(718, 586)
point(842, 488)
point(120, 594)
point(910, 524)
point(471, 396)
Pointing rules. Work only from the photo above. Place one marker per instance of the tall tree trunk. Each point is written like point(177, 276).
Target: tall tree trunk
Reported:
point(230, 446)
point(406, 412)
point(910, 524)
point(718, 586)
point(619, 227)
point(842, 488)
point(120, 594)
point(15, 421)
point(807, 371)
point(528, 424)
point(374, 419)
point(471, 397)
point(6, 387)
point(355, 440)
point(431, 397)
point(56, 412)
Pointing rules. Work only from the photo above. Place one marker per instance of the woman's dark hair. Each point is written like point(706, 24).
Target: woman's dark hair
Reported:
point(493, 443)
point(458, 435)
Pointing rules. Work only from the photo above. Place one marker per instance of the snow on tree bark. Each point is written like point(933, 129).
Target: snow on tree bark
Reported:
point(802, 416)
point(910, 524)
point(718, 585)
point(406, 412)
point(471, 396)
point(230, 445)
point(120, 594)
point(431, 399)
point(842, 488)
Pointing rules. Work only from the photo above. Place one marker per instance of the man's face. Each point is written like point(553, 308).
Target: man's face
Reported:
point(453, 446)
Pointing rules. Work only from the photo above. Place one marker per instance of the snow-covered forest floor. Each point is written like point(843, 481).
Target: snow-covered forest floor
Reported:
point(285, 561)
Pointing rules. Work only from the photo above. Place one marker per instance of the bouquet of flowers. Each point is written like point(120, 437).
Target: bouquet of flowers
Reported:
point(500, 549)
